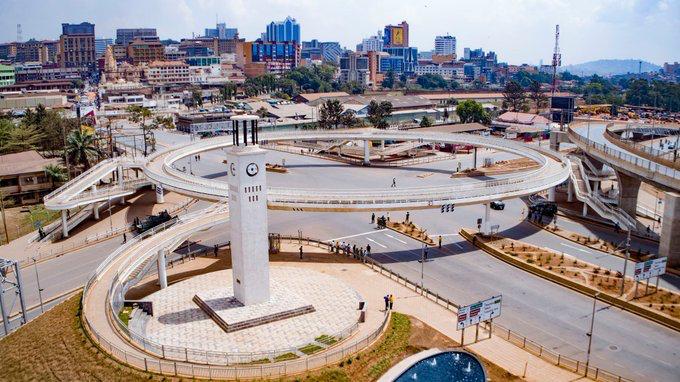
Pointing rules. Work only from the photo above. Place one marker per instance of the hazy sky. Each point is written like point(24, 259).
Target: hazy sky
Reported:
point(520, 31)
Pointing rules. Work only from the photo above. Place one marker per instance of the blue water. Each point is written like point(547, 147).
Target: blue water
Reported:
point(445, 367)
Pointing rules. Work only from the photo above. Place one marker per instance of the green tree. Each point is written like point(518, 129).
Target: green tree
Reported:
point(228, 91)
point(390, 80)
point(56, 173)
point(378, 113)
point(197, 97)
point(470, 111)
point(432, 81)
point(330, 114)
point(262, 112)
point(349, 119)
point(81, 148)
point(537, 95)
point(426, 121)
point(514, 97)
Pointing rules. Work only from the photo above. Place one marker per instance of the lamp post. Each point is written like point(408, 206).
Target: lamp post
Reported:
point(590, 334)
point(625, 262)
point(422, 268)
point(37, 278)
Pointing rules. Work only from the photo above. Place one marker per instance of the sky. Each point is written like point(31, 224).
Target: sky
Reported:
point(519, 31)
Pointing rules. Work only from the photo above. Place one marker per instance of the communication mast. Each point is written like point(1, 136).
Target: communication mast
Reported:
point(19, 37)
point(557, 58)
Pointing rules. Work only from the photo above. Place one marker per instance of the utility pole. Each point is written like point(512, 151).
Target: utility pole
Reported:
point(4, 218)
point(37, 278)
point(625, 263)
point(590, 334)
point(422, 269)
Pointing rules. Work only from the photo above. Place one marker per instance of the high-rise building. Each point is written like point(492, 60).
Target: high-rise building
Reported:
point(329, 51)
point(400, 60)
point(125, 35)
point(445, 45)
point(396, 35)
point(6, 75)
point(282, 31)
point(145, 50)
point(372, 44)
point(277, 57)
point(77, 45)
point(354, 67)
point(222, 32)
point(100, 45)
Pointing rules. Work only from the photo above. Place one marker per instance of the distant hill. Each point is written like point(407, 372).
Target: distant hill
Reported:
point(609, 67)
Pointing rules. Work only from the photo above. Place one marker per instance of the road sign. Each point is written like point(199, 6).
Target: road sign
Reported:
point(480, 311)
point(448, 207)
point(159, 189)
point(650, 268)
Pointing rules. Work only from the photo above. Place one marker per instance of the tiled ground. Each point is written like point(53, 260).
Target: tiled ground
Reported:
point(178, 321)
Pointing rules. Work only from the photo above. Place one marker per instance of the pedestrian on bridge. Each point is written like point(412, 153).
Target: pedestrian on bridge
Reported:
point(394, 182)
point(391, 302)
point(215, 250)
point(300, 252)
point(124, 238)
point(368, 250)
point(387, 302)
point(440, 241)
point(373, 218)
point(408, 215)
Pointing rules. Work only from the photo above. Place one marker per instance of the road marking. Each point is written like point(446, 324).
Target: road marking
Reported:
point(371, 240)
point(458, 245)
point(399, 240)
point(576, 248)
point(359, 234)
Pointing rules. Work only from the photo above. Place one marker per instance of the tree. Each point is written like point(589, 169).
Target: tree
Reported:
point(537, 95)
point(378, 113)
point(228, 91)
point(80, 147)
point(470, 111)
point(390, 80)
point(446, 114)
point(426, 121)
point(432, 81)
point(514, 96)
point(453, 85)
point(330, 114)
point(197, 97)
point(55, 173)
point(262, 112)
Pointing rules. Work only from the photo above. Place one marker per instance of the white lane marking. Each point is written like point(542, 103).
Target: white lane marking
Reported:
point(399, 240)
point(359, 234)
point(458, 245)
point(371, 240)
point(576, 248)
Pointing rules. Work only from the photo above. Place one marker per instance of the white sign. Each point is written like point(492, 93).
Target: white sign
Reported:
point(480, 311)
point(650, 268)
point(159, 189)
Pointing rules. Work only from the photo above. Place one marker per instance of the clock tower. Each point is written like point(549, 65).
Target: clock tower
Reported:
point(248, 212)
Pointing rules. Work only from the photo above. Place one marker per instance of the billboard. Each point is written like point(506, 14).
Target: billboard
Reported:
point(397, 37)
point(651, 268)
point(480, 311)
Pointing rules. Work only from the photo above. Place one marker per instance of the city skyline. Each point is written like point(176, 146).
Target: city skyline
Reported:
point(632, 29)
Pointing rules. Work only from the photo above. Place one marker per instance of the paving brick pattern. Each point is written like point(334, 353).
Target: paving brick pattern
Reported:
point(178, 321)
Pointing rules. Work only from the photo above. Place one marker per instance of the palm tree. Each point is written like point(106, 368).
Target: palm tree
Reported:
point(55, 173)
point(81, 148)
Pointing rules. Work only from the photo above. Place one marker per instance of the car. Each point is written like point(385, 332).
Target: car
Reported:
point(497, 205)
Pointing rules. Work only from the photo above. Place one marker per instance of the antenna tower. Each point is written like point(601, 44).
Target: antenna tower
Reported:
point(19, 37)
point(557, 58)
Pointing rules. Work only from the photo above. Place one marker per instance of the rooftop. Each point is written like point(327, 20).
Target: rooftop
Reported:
point(522, 118)
point(24, 162)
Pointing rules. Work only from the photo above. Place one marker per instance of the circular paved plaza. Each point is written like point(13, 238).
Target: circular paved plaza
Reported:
point(179, 322)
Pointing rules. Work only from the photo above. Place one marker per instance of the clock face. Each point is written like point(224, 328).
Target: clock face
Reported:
point(252, 169)
point(232, 168)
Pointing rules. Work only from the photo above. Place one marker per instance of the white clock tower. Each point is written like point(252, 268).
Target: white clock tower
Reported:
point(248, 212)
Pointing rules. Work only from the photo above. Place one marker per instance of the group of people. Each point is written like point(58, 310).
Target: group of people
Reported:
point(389, 302)
point(197, 157)
point(345, 249)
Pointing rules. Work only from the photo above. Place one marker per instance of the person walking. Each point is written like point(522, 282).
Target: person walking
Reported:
point(408, 215)
point(440, 241)
point(373, 218)
point(124, 238)
point(391, 302)
point(387, 302)
point(215, 250)
point(300, 252)
point(426, 253)
point(394, 182)
point(368, 250)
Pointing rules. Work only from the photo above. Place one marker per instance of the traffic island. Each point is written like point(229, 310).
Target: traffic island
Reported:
point(658, 304)
point(411, 230)
point(498, 168)
point(273, 167)
point(593, 242)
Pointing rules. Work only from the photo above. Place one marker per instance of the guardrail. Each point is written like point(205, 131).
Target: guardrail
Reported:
point(647, 152)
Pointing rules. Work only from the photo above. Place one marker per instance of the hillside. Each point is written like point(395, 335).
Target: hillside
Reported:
point(609, 67)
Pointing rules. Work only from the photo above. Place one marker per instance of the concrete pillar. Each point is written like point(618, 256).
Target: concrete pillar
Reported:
point(120, 175)
point(585, 210)
point(486, 224)
point(596, 187)
point(367, 159)
point(570, 191)
point(474, 158)
point(628, 193)
point(64, 225)
point(551, 194)
point(95, 210)
point(160, 197)
point(162, 274)
point(670, 226)
point(382, 144)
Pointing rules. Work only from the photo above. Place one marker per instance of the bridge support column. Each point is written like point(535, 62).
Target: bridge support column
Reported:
point(551, 194)
point(474, 158)
point(160, 197)
point(367, 159)
point(121, 182)
point(95, 210)
point(486, 224)
point(670, 226)
point(570, 191)
point(585, 210)
point(162, 273)
point(628, 193)
point(64, 224)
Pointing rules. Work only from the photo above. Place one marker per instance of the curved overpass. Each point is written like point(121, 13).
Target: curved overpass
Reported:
point(553, 169)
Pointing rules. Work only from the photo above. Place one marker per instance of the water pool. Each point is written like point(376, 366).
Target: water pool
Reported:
point(445, 367)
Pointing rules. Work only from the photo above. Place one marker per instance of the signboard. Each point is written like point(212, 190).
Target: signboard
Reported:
point(159, 189)
point(650, 268)
point(480, 311)
point(397, 36)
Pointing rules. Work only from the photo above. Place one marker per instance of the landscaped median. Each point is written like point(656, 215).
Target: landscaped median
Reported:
point(661, 306)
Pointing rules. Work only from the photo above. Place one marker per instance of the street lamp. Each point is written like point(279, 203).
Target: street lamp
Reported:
point(625, 262)
point(590, 334)
point(37, 278)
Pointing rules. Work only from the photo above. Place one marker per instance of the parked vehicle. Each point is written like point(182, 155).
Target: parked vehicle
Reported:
point(497, 205)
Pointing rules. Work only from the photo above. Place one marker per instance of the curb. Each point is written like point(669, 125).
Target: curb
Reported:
point(625, 305)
